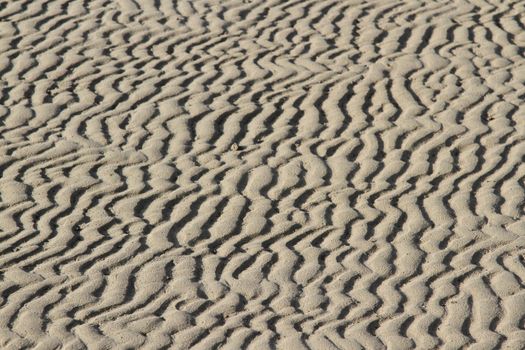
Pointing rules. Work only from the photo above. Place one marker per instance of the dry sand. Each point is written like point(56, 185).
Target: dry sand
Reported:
point(262, 174)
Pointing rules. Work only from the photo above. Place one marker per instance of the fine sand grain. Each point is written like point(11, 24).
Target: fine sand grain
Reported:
point(262, 174)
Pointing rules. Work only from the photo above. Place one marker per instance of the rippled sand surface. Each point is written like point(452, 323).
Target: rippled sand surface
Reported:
point(262, 174)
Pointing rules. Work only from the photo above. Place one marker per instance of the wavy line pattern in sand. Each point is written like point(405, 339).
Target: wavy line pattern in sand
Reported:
point(262, 174)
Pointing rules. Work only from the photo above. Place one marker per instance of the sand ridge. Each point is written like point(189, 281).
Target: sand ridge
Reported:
point(313, 174)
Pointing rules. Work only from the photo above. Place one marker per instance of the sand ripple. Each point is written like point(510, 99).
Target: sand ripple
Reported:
point(258, 174)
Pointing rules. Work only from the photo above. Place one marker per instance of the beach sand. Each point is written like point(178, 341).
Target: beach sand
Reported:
point(262, 174)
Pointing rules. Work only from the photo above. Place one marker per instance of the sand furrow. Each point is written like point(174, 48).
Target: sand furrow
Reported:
point(248, 174)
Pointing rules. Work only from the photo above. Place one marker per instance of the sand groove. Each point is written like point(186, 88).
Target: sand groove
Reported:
point(248, 174)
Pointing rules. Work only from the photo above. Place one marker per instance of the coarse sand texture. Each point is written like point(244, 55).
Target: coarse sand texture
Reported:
point(262, 174)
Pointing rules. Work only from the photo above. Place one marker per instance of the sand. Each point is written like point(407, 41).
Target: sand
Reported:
point(262, 174)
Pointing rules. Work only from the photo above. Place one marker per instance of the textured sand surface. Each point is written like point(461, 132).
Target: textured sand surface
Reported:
point(262, 174)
